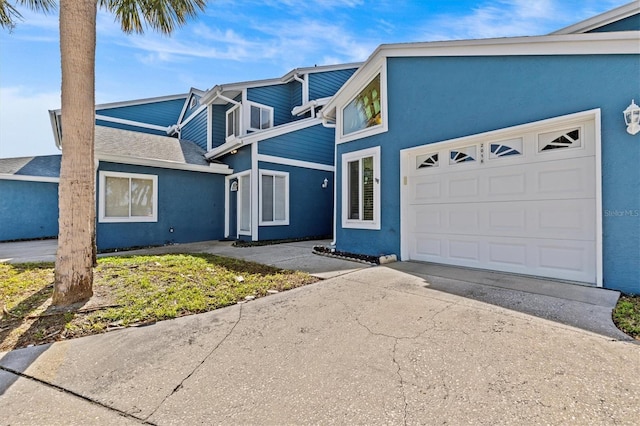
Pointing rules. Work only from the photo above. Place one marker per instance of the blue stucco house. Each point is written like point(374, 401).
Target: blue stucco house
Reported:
point(506, 154)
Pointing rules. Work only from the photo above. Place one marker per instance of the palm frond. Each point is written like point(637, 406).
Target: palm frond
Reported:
point(9, 14)
point(160, 15)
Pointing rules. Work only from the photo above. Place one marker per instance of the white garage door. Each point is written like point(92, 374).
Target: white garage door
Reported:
point(521, 202)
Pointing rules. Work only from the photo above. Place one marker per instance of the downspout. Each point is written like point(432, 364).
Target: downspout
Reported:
point(325, 123)
point(305, 87)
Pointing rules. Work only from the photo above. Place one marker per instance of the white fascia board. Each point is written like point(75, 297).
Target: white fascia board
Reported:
point(296, 163)
point(131, 123)
point(226, 147)
point(192, 116)
point(280, 130)
point(321, 68)
point(164, 164)
point(262, 135)
point(608, 43)
point(137, 102)
point(28, 178)
point(141, 101)
point(606, 18)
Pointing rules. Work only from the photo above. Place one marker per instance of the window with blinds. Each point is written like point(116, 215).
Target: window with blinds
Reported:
point(274, 198)
point(361, 189)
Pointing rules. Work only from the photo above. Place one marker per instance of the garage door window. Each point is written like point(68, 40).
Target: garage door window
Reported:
point(361, 189)
point(569, 138)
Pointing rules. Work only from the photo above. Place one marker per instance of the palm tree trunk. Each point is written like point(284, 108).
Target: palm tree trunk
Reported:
point(76, 238)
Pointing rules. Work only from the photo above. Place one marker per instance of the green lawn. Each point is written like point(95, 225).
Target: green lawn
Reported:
point(129, 291)
point(626, 315)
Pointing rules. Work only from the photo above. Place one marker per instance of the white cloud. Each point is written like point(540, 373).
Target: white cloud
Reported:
point(25, 129)
point(506, 18)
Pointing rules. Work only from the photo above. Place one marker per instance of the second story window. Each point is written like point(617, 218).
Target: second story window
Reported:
point(233, 122)
point(261, 117)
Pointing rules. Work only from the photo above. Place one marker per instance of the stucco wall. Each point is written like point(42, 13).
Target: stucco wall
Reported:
point(190, 203)
point(28, 210)
point(310, 205)
point(437, 99)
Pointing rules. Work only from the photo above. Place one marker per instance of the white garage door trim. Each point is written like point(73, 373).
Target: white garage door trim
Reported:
point(408, 160)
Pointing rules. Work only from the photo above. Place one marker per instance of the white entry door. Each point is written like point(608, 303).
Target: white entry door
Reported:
point(244, 204)
point(522, 202)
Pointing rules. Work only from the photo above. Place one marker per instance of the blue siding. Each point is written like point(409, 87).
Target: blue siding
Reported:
point(164, 113)
point(314, 144)
point(322, 85)
point(28, 210)
point(632, 23)
point(310, 205)
point(218, 125)
point(196, 130)
point(191, 203)
point(132, 128)
point(239, 161)
point(425, 97)
point(279, 97)
point(295, 94)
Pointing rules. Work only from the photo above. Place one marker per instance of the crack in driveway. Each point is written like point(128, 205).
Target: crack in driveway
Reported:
point(396, 339)
point(180, 385)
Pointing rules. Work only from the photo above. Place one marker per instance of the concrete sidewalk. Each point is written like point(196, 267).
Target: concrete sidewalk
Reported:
point(373, 346)
point(294, 256)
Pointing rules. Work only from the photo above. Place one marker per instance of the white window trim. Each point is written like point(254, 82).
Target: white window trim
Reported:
point(249, 104)
point(360, 223)
point(369, 131)
point(102, 218)
point(264, 172)
point(228, 137)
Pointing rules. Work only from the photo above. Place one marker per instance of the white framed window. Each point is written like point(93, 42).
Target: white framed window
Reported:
point(128, 197)
point(194, 102)
point(361, 189)
point(234, 116)
point(365, 114)
point(274, 198)
point(260, 117)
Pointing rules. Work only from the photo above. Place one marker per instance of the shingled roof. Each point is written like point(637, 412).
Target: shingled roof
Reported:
point(122, 146)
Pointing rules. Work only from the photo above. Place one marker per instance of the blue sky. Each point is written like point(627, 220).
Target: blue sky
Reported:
point(239, 40)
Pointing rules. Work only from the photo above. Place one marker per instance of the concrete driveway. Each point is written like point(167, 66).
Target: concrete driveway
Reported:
point(371, 346)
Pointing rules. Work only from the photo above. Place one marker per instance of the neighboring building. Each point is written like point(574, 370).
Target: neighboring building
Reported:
point(150, 190)
point(505, 154)
point(186, 168)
